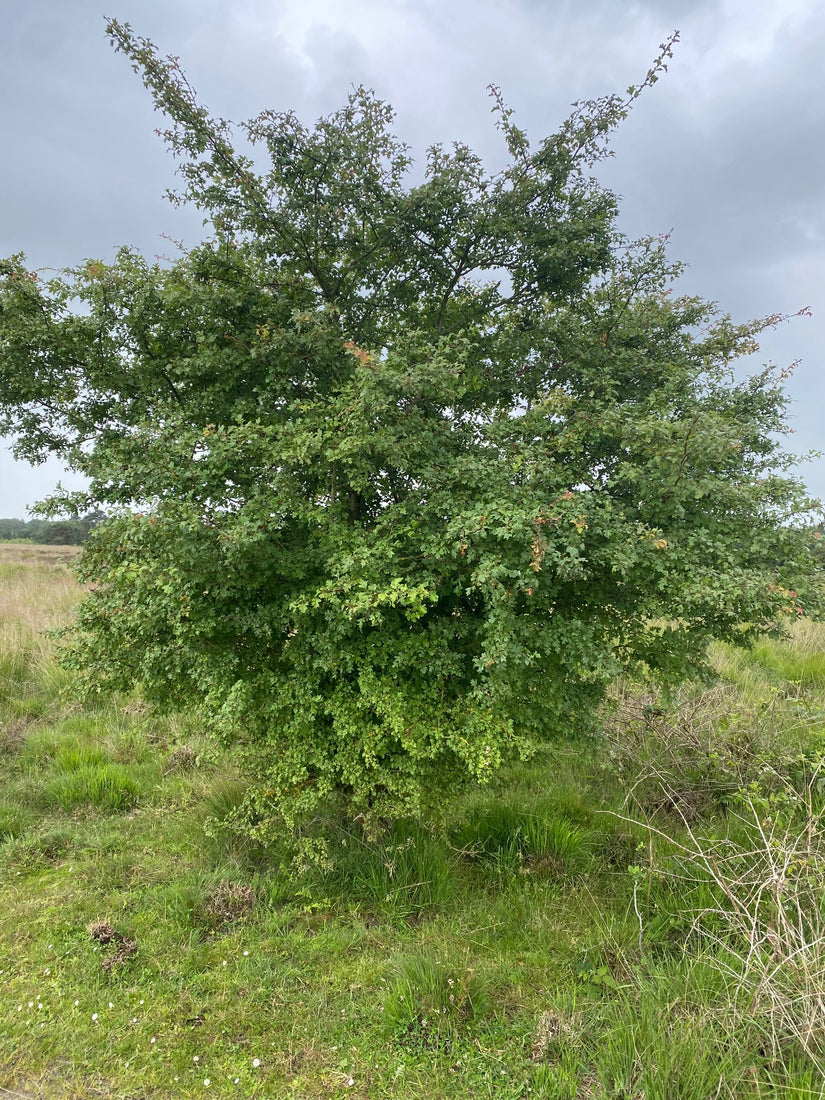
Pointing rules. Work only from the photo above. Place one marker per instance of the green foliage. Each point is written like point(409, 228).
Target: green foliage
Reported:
point(399, 476)
point(224, 827)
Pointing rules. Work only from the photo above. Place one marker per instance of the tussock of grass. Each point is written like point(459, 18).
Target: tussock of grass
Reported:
point(431, 999)
point(530, 841)
point(14, 820)
point(107, 787)
point(796, 666)
point(407, 874)
point(556, 935)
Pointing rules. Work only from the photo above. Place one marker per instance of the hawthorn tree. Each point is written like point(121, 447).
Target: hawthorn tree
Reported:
point(400, 474)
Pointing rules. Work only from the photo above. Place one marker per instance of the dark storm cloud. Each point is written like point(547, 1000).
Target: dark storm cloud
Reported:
point(726, 150)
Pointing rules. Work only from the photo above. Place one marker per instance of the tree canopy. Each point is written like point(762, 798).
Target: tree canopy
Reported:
point(400, 473)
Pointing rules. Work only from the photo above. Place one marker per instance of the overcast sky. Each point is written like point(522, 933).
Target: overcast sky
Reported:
point(727, 151)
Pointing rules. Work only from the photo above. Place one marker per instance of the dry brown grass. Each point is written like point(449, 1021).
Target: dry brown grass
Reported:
point(37, 593)
point(37, 588)
point(807, 636)
point(31, 553)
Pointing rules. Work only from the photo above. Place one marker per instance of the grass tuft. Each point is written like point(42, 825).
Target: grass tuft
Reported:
point(515, 840)
point(105, 786)
point(408, 873)
point(431, 1000)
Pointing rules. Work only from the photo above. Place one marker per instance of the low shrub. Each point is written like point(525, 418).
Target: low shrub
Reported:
point(225, 827)
point(226, 903)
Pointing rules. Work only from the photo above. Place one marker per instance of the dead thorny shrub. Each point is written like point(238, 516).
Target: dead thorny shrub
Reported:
point(228, 902)
point(765, 929)
point(553, 1032)
point(689, 758)
point(103, 932)
point(107, 936)
point(184, 759)
point(126, 949)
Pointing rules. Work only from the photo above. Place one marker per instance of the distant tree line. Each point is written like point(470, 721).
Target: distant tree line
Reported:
point(61, 532)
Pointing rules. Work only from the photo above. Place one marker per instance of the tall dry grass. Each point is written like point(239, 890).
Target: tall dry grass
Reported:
point(38, 592)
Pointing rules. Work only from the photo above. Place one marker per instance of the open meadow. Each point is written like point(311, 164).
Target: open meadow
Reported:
point(637, 916)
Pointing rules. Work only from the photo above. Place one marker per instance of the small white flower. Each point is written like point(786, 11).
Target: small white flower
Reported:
point(196, 1058)
point(94, 1015)
point(206, 1081)
point(154, 1039)
point(76, 1003)
point(246, 952)
point(350, 1082)
point(256, 1062)
point(31, 1004)
point(237, 1079)
point(111, 1005)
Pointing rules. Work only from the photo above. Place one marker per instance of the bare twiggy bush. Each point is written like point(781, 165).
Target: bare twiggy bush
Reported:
point(126, 950)
point(686, 759)
point(228, 902)
point(765, 928)
point(183, 759)
point(103, 932)
point(553, 1032)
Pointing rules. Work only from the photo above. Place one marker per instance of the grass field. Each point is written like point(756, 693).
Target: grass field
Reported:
point(641, 917)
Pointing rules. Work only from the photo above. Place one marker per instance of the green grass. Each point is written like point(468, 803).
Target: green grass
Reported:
point(540, 942)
